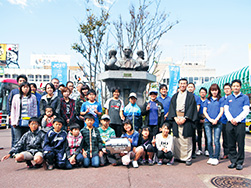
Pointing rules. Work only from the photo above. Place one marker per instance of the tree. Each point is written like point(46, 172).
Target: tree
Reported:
point(92, 33)
point(144, 30)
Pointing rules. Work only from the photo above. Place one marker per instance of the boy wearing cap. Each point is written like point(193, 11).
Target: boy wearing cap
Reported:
point(92, 107)
point(29, 147)
point(74, 147)
point(106, 133)
point(154, 113)
point(133, 112)
point(92, 142)
point(54, 146)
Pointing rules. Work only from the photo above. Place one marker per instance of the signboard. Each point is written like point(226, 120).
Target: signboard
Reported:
point(174, 72)
point(59, 71)
point(249, 53)
point(9, 54)
point(1, 71)
point(40, 60)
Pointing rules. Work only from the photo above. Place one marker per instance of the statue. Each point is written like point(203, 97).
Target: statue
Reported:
point(126, 62)
point(110, 65)
point(144, 64)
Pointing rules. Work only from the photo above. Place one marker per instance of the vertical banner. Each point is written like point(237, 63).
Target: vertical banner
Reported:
point(174, 76)
point(3, 54)
point(59, 71)
point(249, 53)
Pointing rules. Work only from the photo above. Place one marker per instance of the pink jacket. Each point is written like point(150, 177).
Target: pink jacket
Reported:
point(15, 108)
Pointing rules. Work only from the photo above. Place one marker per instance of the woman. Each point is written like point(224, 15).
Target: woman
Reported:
point(154, 113)
point(50, 99)
point(213, 111)
point(67, 106)
point(24, 106)
point(78, 104)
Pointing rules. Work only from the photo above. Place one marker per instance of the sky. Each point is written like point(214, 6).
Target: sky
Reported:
point(51, 27)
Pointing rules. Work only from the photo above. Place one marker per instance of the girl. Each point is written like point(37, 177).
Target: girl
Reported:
point(213, 111)
point(24, 106)
point(78, 104)
point(145, 143)
point(50, 99)
point(47, 121)
point(133, 137)
point(67, 106)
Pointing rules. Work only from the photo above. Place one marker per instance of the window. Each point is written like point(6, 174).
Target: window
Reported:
point(167, 81)
point(7, 75)
point(211, 78)
point(206, 79)
point(190, 79)
point(14, 76)
point(31, 78)
point(195, 78)
point(38, 78)
point(46, 78)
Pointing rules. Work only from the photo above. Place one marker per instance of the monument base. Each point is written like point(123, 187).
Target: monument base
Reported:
point(128, 81)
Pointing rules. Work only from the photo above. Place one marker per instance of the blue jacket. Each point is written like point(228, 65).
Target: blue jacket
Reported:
point(55, 141)
point(133, 113)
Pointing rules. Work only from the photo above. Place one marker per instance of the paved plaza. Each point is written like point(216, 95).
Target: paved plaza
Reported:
point(179, 175)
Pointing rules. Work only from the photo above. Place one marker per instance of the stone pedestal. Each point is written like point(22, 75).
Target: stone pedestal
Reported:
point(128, 81)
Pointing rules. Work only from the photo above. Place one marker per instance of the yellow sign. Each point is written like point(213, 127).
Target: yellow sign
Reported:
point(2, 52)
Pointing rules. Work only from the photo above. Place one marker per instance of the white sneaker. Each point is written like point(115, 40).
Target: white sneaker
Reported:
point(135, 164)
point(215, 162)
point(210, 160)
point(199, 152)
point(206, 153)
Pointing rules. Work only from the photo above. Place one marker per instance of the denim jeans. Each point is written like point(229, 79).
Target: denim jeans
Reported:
point(19, 132)
point(217, 133)
point(95, 161)
point(79, 159)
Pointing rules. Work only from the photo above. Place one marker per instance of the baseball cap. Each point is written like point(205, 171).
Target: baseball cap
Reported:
point(133, 95)
point(105, 116)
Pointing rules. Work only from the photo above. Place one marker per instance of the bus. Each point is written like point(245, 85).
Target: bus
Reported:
point(6, 85)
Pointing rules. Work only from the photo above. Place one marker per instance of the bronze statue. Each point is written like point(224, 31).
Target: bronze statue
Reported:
point(144, 64)
point(126, 62)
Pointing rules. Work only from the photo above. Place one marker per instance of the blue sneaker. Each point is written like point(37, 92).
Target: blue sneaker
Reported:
point(160, 163)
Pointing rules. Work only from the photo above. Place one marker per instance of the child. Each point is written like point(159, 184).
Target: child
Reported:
point(54, 145)
point(164, 144)
point(106, 133)
point(92, 142)
point(114, 108)
point(133, 137)
point(146, 145)
point(92, 107)
point(74, 148)
point(47, 121)
point(29, 147)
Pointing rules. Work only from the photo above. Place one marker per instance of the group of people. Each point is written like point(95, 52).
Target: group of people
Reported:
point(61, 129)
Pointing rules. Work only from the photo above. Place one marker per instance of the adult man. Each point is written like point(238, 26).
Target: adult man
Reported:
point(236, 110)
point(191, 88)
point(227, 91)
point(203, 94)
point(183, 114)
point(164, 99)
point(20, 79)
point(57, 92)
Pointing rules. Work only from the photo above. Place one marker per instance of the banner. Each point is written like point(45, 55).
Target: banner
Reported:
point(2, 52)
point(174, 76)
point(12, 53)
point(1, 71)
point(40, 60)
point(249, 53)
point(59, 71)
